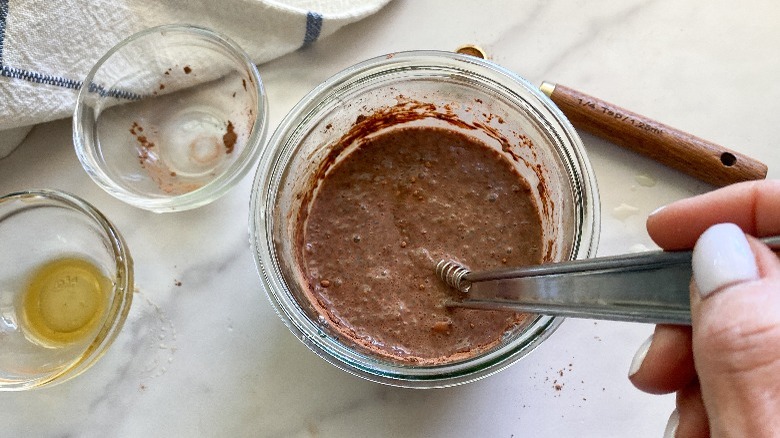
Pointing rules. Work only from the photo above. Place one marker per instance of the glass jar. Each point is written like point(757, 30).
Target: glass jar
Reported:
point(427, 88)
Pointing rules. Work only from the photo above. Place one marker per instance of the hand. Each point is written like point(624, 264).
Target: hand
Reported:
point(725, 368)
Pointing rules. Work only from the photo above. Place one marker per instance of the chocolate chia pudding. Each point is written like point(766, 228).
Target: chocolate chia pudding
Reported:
point(374, 226)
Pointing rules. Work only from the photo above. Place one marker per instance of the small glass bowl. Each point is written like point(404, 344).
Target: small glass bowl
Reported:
point(39, 228)
point(170, 118)
point(439, 89)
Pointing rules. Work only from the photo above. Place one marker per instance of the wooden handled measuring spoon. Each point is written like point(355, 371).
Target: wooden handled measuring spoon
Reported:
point(679, 150)
point(694, 156)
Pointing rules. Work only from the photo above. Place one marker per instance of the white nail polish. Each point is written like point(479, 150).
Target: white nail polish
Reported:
point(639, 356)
point(671, 425)
point(656, 210)
point(721, 258)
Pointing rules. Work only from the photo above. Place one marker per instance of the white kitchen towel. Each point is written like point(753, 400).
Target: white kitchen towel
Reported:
point(48, 47)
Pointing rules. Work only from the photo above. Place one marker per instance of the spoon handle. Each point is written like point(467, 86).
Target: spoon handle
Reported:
point(699, 158)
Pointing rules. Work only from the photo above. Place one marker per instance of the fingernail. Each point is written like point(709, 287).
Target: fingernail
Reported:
point(671, 425)
point(654, 212)
point(722, 257)
point(639, 356)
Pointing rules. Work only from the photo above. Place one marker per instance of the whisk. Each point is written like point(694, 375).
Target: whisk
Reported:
point(650, 287)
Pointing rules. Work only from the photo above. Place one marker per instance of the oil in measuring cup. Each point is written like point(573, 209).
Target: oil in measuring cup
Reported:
point(64, 301)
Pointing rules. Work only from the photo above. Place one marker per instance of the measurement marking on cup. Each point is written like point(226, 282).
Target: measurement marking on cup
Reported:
point(617, 115)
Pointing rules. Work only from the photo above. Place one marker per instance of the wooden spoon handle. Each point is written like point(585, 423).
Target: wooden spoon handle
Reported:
point(689, 154)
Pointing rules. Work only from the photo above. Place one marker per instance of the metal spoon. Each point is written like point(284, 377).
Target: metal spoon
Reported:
point(649, 287)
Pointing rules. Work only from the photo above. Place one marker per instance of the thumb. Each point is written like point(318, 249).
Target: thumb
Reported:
point(735, 309)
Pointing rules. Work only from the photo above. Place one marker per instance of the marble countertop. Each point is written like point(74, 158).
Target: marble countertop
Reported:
point(204, 354)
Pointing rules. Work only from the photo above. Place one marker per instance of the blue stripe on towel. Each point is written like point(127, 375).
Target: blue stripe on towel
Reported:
point(32, 76)
point(3, 16)
point(113, 92)
point(18, 73)
point(313, 28)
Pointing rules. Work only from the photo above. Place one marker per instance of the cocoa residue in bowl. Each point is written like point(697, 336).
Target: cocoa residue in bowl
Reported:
point(230, 138)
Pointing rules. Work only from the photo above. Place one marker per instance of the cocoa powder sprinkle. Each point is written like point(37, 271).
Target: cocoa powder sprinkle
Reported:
point(230, 138)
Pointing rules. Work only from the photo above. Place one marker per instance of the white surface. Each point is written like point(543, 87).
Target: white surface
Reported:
point(210, 357)
point(11, 138)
